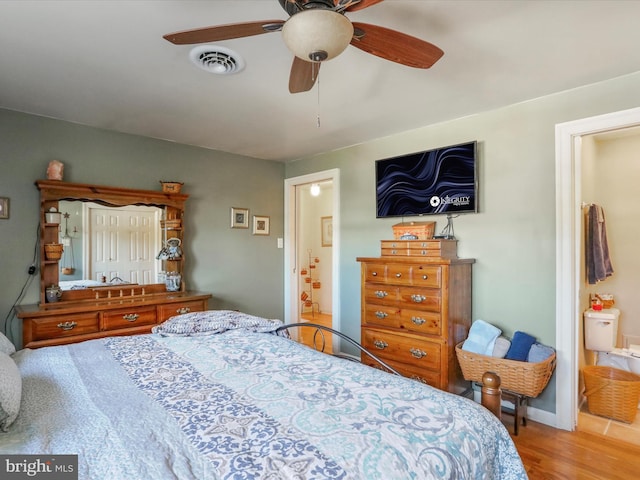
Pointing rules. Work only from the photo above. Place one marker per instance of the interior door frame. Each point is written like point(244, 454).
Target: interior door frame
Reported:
point(569, 250)
point(291, 288)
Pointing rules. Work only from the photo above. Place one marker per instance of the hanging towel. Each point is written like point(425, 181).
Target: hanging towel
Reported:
point(598, 262)
point(482, 338)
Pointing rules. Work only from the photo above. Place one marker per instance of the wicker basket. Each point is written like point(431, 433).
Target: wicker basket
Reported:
point(53, 251)
point(525, 378)
point(611, 392)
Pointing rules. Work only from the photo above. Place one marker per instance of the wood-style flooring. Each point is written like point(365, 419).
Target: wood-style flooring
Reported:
point(549, 453)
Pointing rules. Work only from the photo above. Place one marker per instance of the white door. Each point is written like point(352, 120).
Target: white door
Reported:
point(123, 243)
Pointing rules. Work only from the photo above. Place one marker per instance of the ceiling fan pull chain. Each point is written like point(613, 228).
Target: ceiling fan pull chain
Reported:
point(318, 119)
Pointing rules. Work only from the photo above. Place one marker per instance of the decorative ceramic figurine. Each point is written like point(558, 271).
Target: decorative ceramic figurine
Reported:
point(53, 293)
point(55, 170)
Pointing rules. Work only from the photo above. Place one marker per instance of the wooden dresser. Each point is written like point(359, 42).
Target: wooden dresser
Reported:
point(415, 308)
point(69, 322)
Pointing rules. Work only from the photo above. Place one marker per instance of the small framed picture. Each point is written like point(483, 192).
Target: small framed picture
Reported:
point(239, 217)
point(326, 225)
point(4, 207)
point(260, 225)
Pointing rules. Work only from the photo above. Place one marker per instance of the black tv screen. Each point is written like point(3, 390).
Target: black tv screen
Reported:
point(433, 182)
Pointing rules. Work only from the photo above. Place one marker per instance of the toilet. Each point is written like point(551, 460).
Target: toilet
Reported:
point(600, 336)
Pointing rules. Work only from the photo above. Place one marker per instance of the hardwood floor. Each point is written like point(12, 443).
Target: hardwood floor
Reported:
point(548, 453)
point(307, 334)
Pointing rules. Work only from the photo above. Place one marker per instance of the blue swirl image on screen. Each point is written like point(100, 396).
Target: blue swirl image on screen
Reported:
point(440, 181)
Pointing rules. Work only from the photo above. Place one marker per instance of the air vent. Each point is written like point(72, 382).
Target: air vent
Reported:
point(215, 59)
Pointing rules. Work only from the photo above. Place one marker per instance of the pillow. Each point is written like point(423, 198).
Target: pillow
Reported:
point(213, 321)
point(520, 345)
point(5, 345)
point(539, 353)
point(10, 391)
point(501, 347)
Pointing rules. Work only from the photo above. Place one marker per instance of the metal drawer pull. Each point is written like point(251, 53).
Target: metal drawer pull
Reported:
point(418, 320)
point(418, 298)
point(67, 325)
point(394, 252)
point(131, 317)
point(380, 314)
point(425, 276)
point(183, 310)
point(381, 293)
point(417, 353)
point(374, 274)
point(380, 344)
point(398, 275)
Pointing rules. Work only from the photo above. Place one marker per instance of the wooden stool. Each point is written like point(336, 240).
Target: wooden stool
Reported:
point(519, 410)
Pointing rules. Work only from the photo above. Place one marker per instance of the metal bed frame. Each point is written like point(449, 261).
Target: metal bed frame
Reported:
point(320, 329)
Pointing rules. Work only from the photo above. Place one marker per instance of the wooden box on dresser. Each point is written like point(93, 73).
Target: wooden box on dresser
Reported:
point(415, 308)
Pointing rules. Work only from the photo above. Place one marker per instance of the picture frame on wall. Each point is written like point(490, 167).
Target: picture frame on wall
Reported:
point(260, 225)
point(326, 227)
point(239, 217)
point(4, 207)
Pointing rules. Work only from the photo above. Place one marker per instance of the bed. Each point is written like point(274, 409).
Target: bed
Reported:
point(222, 395)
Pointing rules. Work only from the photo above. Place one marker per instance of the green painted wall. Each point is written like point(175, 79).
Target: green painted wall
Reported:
point(513, 236)
point(242, 271)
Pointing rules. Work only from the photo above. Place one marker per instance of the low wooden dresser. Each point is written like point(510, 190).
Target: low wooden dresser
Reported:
point(70, 322)
point(415, 308)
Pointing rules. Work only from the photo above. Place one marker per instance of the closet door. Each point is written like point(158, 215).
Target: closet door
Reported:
point(124, 243)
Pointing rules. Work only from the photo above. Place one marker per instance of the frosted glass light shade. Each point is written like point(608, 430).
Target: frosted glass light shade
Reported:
point(317, 35)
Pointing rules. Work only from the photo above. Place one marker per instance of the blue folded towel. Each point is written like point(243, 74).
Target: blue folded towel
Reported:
point(520, 345)
point(482, 338)
point(539, 353)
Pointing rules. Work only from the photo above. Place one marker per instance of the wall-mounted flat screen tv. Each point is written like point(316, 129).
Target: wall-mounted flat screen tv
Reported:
point(441, 181)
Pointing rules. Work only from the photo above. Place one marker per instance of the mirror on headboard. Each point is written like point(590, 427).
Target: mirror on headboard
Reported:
point(109, 235)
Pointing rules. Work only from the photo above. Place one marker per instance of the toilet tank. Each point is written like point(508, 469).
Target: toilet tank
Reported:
point(601, 329)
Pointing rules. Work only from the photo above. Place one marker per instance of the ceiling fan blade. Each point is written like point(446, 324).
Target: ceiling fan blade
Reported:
point(362, 4)
point(395, 46)
point(303, 75)
point(224, 32)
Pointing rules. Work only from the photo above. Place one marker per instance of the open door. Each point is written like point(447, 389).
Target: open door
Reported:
point(312, 245)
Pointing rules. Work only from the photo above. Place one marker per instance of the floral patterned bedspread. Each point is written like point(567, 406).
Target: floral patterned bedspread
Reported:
point(246, 405)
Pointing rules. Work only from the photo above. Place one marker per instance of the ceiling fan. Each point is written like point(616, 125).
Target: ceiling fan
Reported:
point(318, 30)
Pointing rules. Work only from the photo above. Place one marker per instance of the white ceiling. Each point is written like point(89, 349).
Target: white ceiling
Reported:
point(105, 64)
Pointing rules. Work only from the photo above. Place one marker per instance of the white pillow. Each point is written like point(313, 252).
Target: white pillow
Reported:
point(10, 391)
point(5, 345)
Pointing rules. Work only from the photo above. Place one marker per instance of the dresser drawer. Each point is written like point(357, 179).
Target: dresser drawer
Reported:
point(375, 272)
point(420, 321)
point(405, 349)
point(381, 294)
point(133, 317)
point(429, 377)
point(426, 276)
point(420, 299)
point(382, 315)
point(172, 309)
point(64, 326)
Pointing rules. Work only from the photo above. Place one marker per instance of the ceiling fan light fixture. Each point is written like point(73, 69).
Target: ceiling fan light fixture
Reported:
point(317, 35)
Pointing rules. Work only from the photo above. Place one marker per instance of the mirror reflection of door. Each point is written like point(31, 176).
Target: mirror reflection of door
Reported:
point(123, 243)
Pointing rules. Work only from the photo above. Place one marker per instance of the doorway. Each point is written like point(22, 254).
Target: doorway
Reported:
point(568, 252)
point(312, 246)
